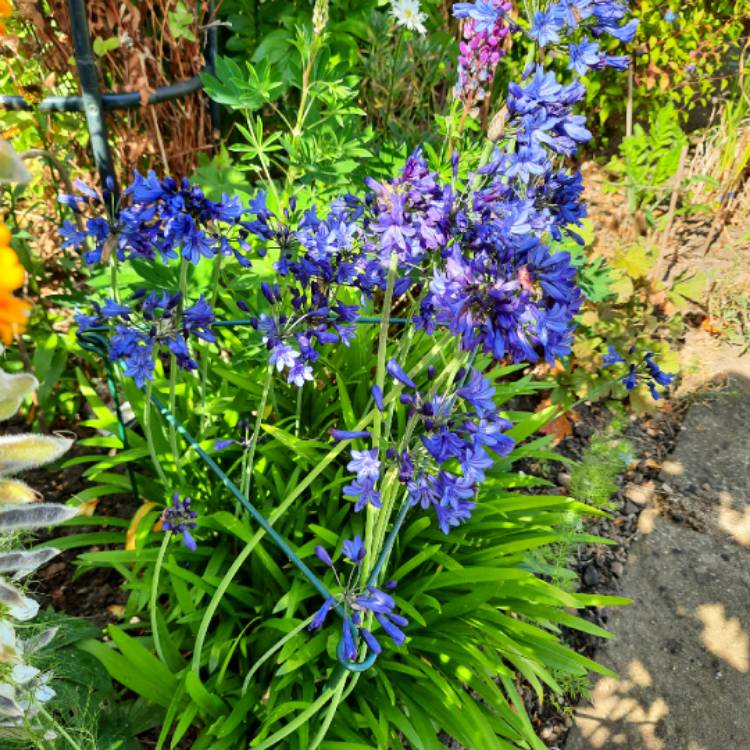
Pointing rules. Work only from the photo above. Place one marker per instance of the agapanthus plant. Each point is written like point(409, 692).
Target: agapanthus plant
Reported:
point(453, 267)
point(641, 371)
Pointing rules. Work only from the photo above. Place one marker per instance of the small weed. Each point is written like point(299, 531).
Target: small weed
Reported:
point(594, 480)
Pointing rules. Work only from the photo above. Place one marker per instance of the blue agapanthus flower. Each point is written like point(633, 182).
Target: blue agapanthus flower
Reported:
point(583, 56)
point(546, 26)
point(644, 371)
point(179, 519)
point(484, 13)
point(359, 602)
point(573, 12)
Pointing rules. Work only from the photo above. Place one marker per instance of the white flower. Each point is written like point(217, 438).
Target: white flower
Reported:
point(44, 693)
point(408, 14)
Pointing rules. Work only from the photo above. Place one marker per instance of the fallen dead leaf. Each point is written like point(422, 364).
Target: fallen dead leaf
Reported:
point(133, 528)
point(88, 509)
point(560, 428)
point(117, 610)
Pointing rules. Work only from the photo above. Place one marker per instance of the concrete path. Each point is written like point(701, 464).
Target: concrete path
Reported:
point(682, 650)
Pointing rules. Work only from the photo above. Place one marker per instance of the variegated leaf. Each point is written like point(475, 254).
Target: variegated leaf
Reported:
point(20, 607)
point(21, 452)
point(24, 562)
point(40, 641)
point(8, 706)
point(16, 492)
point(12, 168)
point(34, 516)
point(13, 390)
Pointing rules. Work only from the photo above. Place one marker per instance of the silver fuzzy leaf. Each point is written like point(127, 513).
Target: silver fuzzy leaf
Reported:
point(13, 389)
point(8, 706)
point(22, 452)
point(20, 607)
point(34, 516)
point(25, 562)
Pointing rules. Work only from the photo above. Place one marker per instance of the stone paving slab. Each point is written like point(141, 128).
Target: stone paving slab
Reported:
point(682, 650)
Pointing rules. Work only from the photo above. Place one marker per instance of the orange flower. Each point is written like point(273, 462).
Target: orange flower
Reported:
point(5, 10)
point(14, 312)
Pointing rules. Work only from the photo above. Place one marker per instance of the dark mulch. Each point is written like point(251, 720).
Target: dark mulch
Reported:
point(600, 567)
point(95, 593)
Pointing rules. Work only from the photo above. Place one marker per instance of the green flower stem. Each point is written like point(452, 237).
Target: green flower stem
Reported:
point(377, 422)
point(387, 548)
point(264, 163)
point(155, 594)
point(389, 98)
point(204, 364)
point(298, 413)
point(338, 694)
point(172, 407)
point(173, 377)
point(113, 276)
point(303, 110)
point(388, 498)
point(59, 729)
point(147, 431)
point(247, 477)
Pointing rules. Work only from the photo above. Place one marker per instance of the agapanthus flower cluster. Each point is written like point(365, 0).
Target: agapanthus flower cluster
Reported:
point(359, 602)
point(644, 371)
point(179, 519)
point(501, 289)
point(452, 439)
point(149, 325)
point(485, 29)
point(474, 257)
point(317, 262)
point(566, 16)
point(166, 217)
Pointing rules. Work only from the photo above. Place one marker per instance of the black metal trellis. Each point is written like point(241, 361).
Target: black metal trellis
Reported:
point(93, 103)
